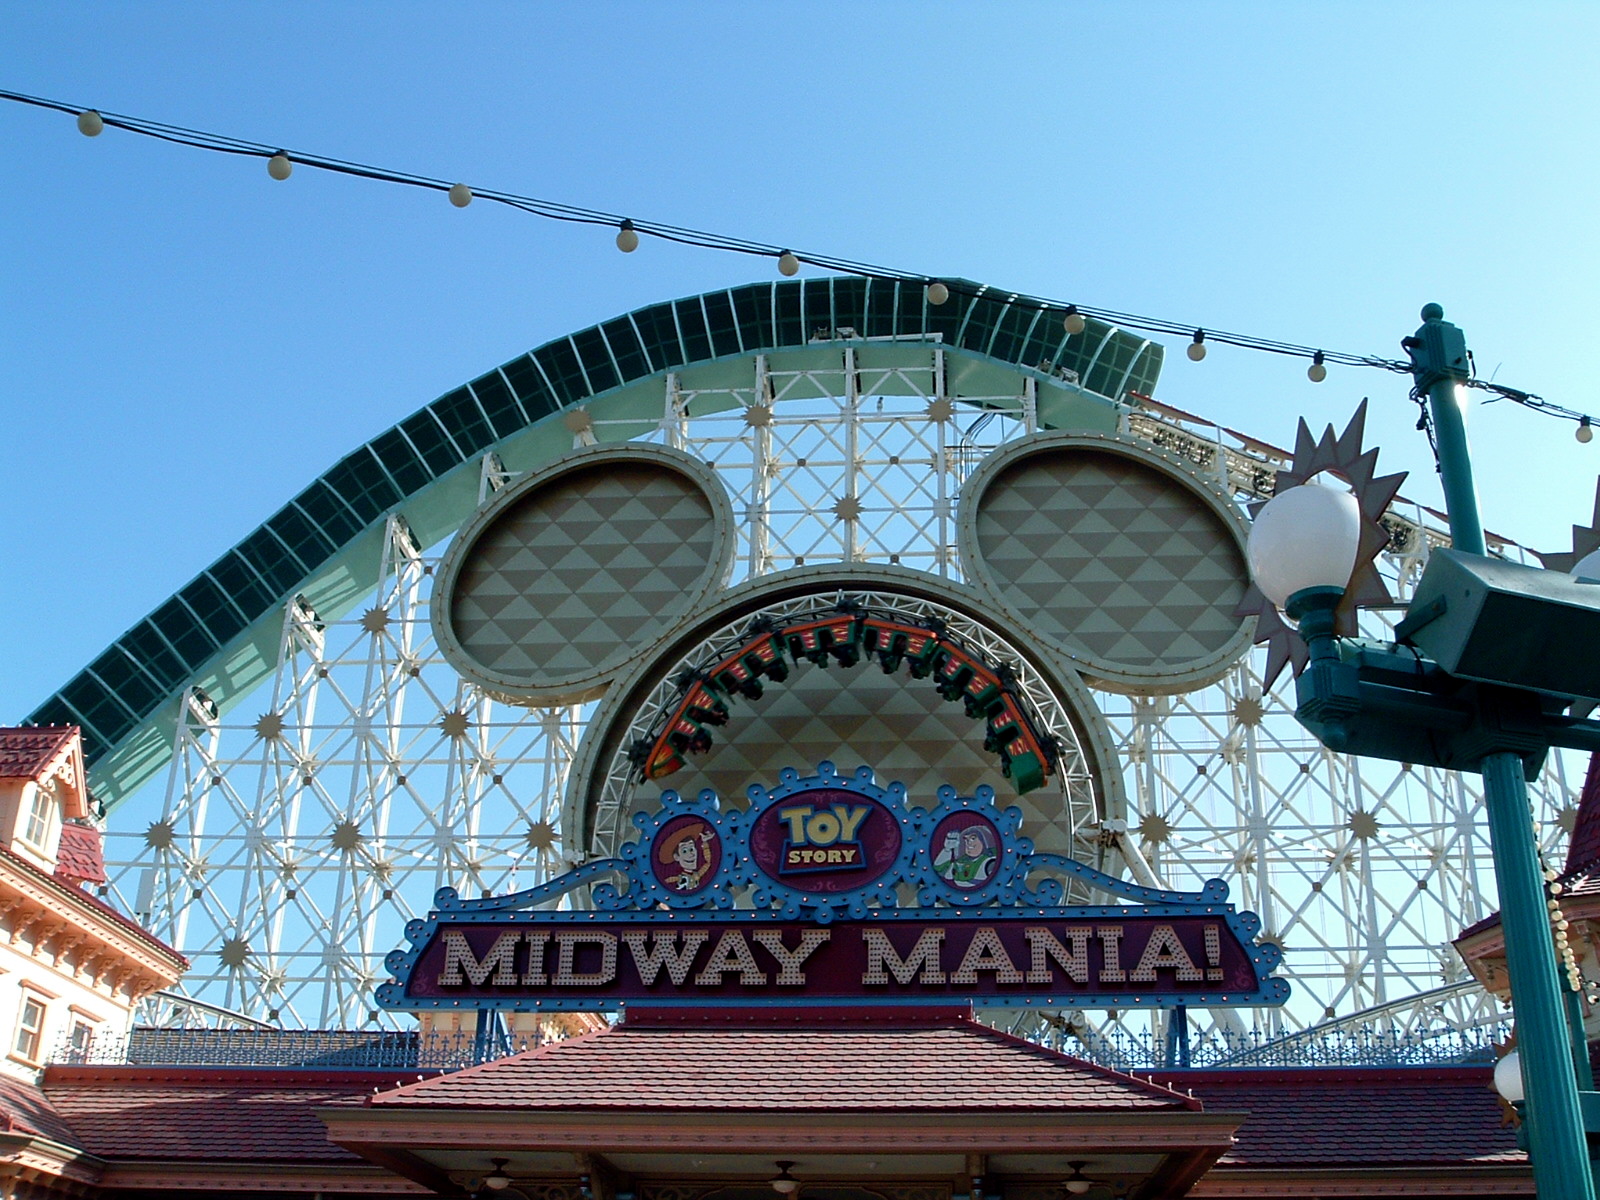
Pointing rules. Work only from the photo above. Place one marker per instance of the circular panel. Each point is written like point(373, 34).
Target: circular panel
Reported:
point(686, 854)
point(965, 850)
point(569, 574)
point(1114, 551)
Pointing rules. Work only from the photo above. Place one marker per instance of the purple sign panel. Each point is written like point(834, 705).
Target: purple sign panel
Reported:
point(825, 840)
point(577, 962)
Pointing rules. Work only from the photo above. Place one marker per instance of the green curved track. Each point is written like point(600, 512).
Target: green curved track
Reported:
point(220, 631)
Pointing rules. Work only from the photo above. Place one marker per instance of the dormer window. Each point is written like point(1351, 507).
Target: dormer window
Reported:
point(41, 818)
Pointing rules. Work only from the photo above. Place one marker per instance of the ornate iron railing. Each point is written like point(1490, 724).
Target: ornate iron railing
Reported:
point(1123, 1050)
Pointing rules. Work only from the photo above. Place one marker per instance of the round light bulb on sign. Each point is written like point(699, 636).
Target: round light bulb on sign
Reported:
point(1305, 537)
point(1508, 1077)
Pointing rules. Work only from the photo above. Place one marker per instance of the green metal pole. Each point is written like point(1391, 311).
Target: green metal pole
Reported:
point(1443, 361)
point(1556, 1142)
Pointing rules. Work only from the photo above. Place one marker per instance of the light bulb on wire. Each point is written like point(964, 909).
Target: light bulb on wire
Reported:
point(1585, 431)
point(1197, 348)
point(1073, 321)
point(460, 195)
point(1316, 372)
point(938, 293)
point(279, 166)
point(788, 264)
point(627, 239)
point(90, 123)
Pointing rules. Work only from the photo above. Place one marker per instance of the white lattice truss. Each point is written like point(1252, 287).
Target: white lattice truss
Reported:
point(296, 836)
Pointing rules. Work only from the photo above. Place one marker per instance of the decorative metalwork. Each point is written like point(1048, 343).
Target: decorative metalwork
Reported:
point(296, 834)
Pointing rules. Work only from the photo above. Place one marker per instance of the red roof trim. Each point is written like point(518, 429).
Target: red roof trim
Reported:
point(1299, 1076)
point(78, 895)
point(265, 1078)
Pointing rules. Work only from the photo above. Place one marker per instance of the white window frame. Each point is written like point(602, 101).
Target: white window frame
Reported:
point(34, 1034)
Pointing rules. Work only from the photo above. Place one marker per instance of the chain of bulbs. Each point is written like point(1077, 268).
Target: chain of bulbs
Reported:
point(1559, 926)
point(280, 167)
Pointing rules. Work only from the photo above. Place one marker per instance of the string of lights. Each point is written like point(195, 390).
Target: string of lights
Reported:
point(281, 163)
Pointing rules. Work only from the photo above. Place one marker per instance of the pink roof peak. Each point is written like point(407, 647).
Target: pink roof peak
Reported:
point(30, 751)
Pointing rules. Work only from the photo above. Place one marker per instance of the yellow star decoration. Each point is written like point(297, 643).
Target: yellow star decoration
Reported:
point(235, 952)
point(542, 836)
point(1155, 829)
point(269, 726)
point(1339, 455)
point(347, 837)
point(847, 508)
point(1364, 825)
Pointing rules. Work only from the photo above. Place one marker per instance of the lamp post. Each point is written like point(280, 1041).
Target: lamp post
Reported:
point(1478, 678)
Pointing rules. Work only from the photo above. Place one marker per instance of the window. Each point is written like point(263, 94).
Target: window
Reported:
point(30, 1028)
point(39, 817)
point(82, 1040)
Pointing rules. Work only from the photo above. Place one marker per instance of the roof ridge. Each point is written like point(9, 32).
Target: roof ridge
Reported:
point(1053, 1054)
point(479, 1068)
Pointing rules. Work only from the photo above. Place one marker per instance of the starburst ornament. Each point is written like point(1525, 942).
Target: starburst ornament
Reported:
point(1340, 455)
point(1585, 541)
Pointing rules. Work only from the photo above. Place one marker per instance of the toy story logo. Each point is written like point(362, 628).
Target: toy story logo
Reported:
point(833, 889)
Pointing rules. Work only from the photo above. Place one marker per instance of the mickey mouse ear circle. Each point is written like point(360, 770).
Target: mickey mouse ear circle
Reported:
point(568, 574)
point(1116, 552)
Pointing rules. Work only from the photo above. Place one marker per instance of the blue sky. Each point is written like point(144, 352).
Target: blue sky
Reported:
point(184, 342)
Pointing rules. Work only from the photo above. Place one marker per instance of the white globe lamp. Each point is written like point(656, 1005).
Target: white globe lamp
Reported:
point(1508, 1077)
point(1305, 538)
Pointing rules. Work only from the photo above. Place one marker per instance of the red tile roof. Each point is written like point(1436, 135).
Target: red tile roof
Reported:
point(26, 752)
point(1359, 1117)
point(79, 858)
point(1584, 850)
point(749, 1062)
point(160, 1113)
point(25, 1109)
point(1581, 874)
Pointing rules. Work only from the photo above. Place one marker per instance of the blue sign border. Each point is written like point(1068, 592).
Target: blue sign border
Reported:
point(742, 892)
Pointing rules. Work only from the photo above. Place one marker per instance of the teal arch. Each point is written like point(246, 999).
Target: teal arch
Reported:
point(220, 630)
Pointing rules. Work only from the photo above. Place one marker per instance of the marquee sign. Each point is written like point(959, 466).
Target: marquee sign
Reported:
point(799, 898)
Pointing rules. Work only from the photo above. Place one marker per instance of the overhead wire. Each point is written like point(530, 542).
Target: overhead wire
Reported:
point(785, 255)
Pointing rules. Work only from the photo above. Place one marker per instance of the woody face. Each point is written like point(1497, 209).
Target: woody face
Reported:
point(687, 855)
